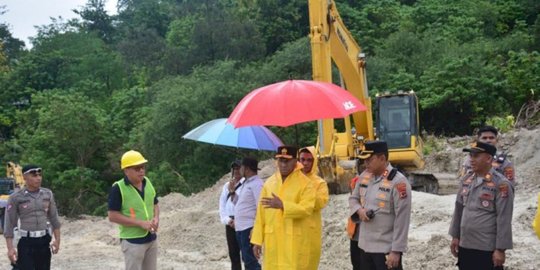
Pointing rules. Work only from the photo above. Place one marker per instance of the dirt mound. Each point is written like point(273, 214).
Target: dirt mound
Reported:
point(191, 237)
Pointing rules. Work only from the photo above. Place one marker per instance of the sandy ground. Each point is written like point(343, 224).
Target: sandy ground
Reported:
point(191, 236)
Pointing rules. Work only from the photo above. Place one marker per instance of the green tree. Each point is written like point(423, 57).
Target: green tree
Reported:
point(280, 21)
point(96, 20)
point(143, 52)
point(522, 78)
point(67, 60)
point(78, 191)
point(461, 91)
point(144, 14)
point(12, 48)
point(66, 125)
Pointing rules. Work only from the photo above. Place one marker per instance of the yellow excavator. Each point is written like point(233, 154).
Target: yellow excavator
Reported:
point(12, 182)
point(396, 114)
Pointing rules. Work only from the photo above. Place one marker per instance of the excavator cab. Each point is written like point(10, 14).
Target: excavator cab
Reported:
point(397, 119)
point(397, 124)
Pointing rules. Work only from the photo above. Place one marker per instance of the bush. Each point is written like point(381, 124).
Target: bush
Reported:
point(432, 144)
point(503, 124)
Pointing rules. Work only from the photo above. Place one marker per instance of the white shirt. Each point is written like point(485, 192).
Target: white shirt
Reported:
point(246, 207)
point(226, 206)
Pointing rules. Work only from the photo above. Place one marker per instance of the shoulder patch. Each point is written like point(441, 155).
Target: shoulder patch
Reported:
point(352, 184)
point(509, 173)
point(402, 190)
point(503, 189)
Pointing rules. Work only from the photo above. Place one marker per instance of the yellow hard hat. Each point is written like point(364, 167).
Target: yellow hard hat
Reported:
point(132, 158)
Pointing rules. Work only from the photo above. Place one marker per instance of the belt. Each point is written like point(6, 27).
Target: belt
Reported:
point(33, 234)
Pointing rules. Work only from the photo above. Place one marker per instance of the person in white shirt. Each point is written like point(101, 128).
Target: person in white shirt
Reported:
point(246, 209)
point(227, 200)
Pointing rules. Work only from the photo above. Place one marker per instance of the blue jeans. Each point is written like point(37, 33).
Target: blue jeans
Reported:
point(250, 262)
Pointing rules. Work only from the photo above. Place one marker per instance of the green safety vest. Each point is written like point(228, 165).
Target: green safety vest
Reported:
point(133, 206)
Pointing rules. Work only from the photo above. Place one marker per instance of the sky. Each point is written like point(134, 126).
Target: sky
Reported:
point(23, 15)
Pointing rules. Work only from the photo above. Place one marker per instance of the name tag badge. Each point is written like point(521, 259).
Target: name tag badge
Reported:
point(487, 196)
point(485, 203)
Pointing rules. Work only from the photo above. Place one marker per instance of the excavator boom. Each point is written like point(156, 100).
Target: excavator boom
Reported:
point(332, 43)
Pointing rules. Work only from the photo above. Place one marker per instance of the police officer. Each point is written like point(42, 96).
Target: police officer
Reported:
point(352, 232)
point(381, 200)
point(33, 206)
point(501, 163)
point(481, 226)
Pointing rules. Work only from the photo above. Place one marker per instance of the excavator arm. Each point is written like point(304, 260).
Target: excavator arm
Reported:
point(330, 40)
point(332, 43)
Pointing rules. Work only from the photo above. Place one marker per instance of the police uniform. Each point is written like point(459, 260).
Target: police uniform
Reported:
point(352, 232)
point(482, 219)
point(500, 163)
point(389, 195)
point(33, 209)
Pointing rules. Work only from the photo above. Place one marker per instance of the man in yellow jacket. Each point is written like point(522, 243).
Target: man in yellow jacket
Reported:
point(307, 159)
point(282, 220)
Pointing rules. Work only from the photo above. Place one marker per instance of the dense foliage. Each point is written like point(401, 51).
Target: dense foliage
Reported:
point(91, 88)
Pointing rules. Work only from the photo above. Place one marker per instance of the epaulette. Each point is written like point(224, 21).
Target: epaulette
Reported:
point(392, 174)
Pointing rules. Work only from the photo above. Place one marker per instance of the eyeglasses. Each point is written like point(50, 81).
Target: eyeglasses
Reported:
point(139, 168)
point(34, 171)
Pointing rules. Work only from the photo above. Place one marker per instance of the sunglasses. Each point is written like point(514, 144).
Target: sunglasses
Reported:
point(34, 171)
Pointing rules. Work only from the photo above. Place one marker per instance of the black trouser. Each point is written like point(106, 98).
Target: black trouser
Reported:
point(34, 253)
point(355, 255)
point(474, 259)
point(376, 261)
point(234, 248)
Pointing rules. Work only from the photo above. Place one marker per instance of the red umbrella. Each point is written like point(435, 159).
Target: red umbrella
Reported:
point(294, 101)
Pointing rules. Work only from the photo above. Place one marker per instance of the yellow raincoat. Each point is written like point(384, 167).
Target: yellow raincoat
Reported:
point(284, 234)
point(315, 220)
point(536, 222)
